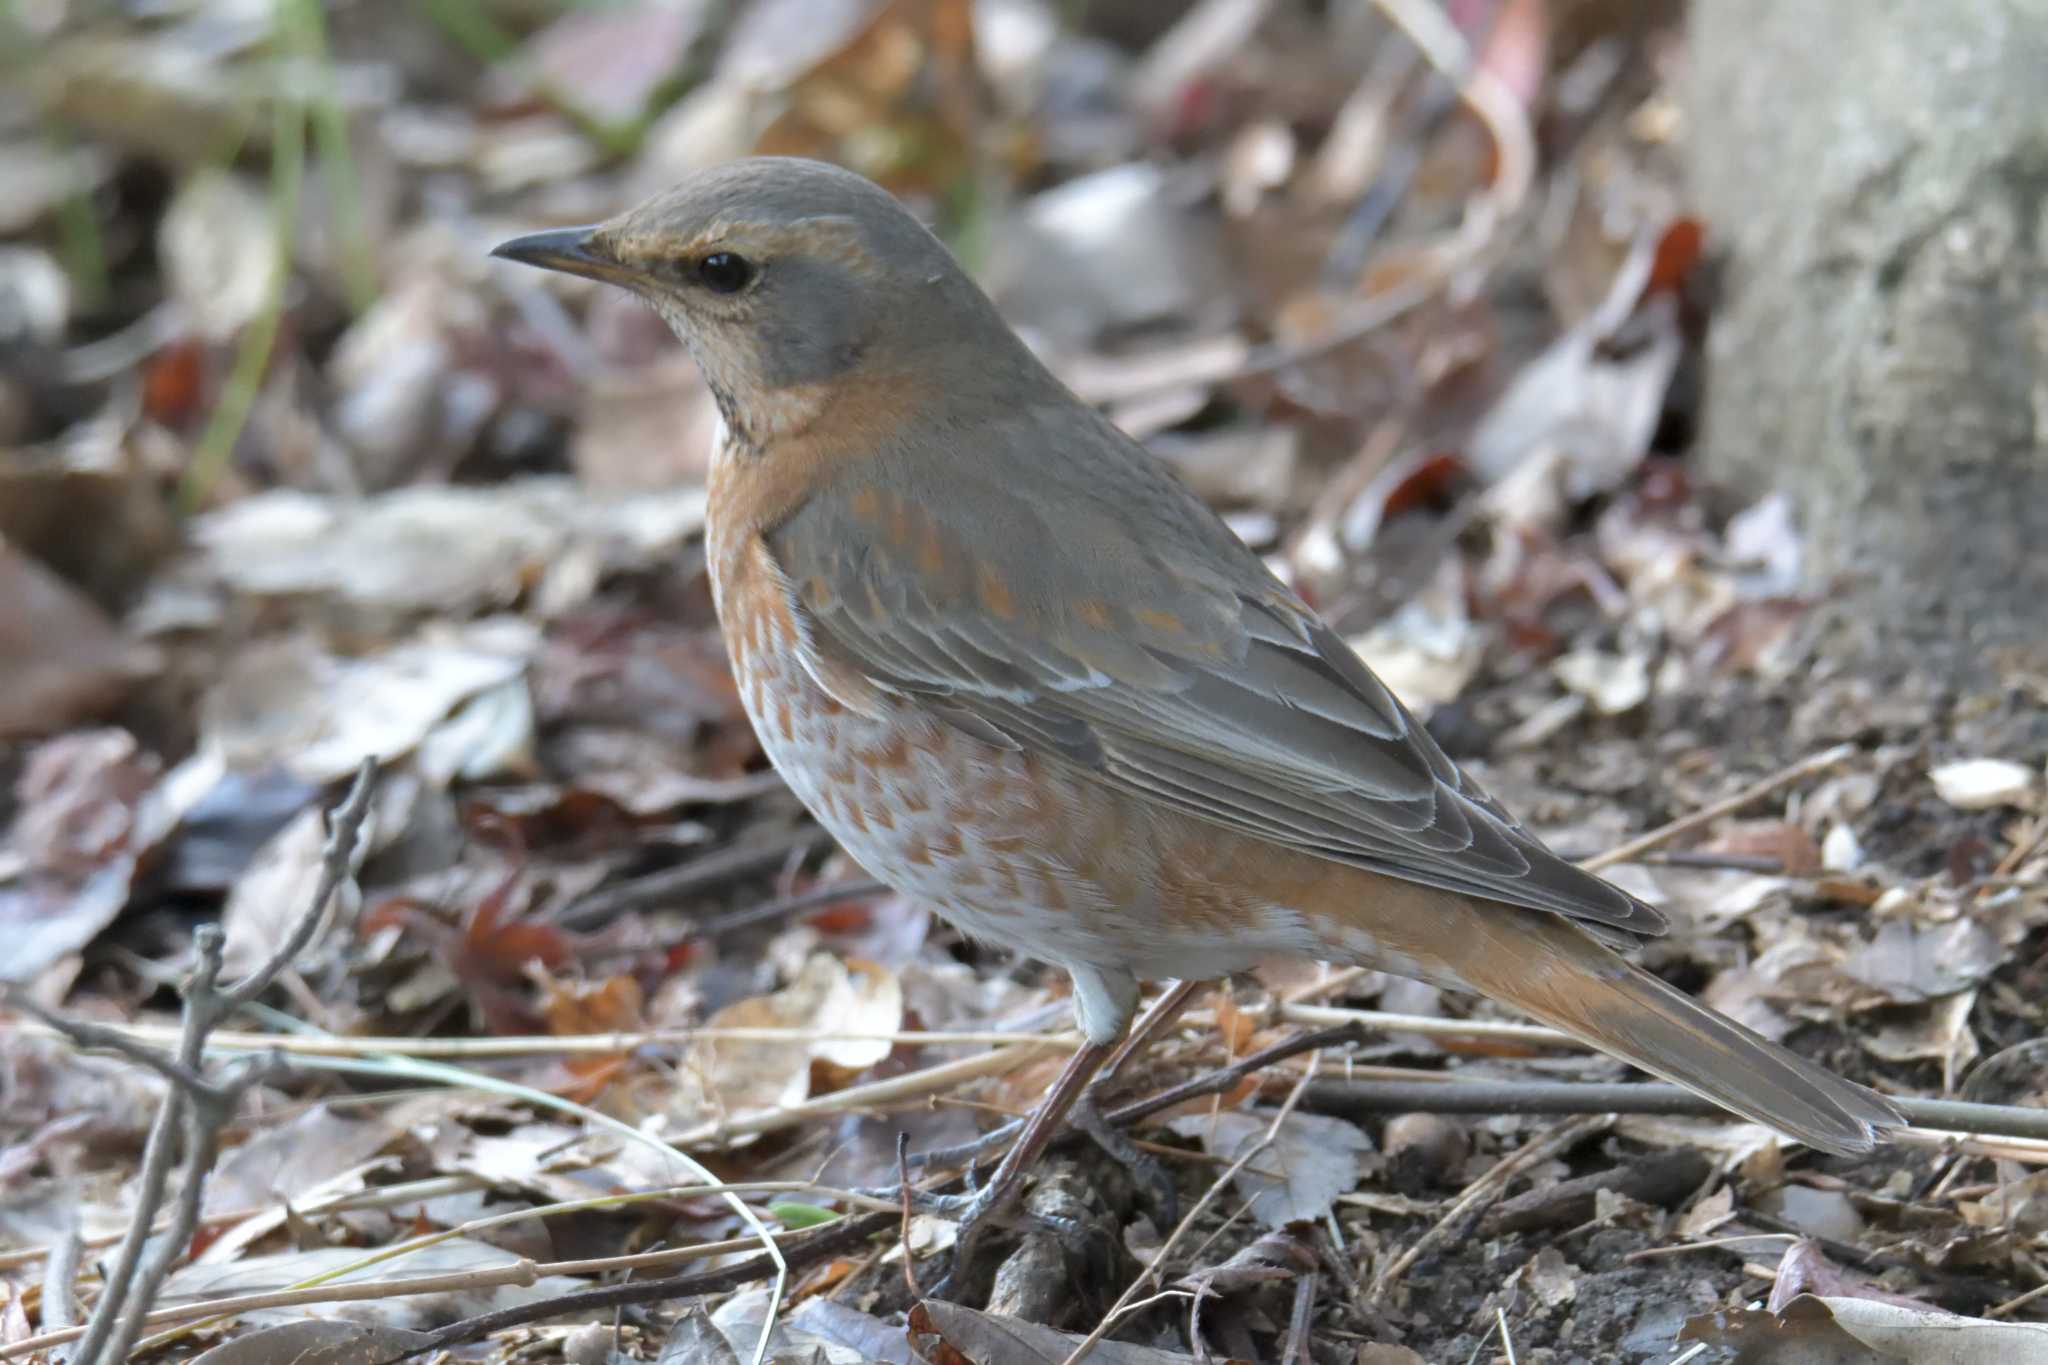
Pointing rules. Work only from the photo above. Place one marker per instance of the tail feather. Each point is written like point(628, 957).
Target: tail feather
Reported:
point(1555, 972)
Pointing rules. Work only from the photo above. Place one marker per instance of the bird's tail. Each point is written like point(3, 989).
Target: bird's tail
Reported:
point(1561, 976)
point(1545, 966)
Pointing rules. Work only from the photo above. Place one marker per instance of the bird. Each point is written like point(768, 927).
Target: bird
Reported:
point(1024, 674)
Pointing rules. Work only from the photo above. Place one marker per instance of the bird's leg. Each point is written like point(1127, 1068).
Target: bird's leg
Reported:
point(994, 1198)
point(1156, 1019)
point(1088, 1114)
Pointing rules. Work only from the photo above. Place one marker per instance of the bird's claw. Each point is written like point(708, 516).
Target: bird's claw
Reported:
point(1088, 1117)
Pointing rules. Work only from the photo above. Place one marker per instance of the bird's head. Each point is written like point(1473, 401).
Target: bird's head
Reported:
point(786, 279)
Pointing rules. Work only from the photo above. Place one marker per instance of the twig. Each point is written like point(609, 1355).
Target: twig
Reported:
point(714, 869)
point(1296, 1351)
point(1485, 1190)
point(1810, 766)
point(338, 861)
point(2013, 1305)
point(606, 1044)
point(914, 1085)
point(416, 1068)
point(118, 1037)
point(198, 1107)
point(1944, 1117)
point(1180, 1230)
point(715, 925)
point(523, 1272)
point(377, 1197)
point(802, 1250)
point(1208, 1083)
point(60, 1300)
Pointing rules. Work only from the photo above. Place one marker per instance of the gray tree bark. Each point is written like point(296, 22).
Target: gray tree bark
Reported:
point(1877, 171)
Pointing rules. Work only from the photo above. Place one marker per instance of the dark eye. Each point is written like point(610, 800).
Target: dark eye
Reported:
point(724, 273)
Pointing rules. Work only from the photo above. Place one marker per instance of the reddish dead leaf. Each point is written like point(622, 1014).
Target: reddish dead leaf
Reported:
point(842, 917)
point(1847, 892)
point(204, 1236)
point(1792, 846)
point(1434, 482)
point(1744, 636)
point(174, 383)
point(820, 1278)
point(1234, 1025)
point(578, 1007)
point(897, 102)
point(1678, 251)
point(592, 1076)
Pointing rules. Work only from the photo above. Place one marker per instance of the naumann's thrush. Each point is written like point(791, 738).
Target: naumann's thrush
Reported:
point(1021, 672)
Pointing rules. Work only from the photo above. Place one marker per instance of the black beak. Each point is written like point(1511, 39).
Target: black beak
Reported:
point(569, 250)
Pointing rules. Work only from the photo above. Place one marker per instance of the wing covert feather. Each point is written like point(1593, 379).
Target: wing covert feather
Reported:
point(1097, 611)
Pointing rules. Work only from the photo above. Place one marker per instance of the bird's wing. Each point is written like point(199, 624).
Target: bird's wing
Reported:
point(1086, 605)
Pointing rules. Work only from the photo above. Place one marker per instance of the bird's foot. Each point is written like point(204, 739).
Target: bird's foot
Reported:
point(1145, 1168)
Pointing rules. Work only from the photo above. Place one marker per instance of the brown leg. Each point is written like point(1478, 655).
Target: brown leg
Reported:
point(1043, 1123)
point(995, 1197)
point(1157, 1018)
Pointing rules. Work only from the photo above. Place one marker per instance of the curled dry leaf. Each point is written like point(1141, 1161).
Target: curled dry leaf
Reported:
point(440, 549)
point(288, 703)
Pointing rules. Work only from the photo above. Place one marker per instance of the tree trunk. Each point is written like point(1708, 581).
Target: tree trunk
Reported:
point(1876, 173)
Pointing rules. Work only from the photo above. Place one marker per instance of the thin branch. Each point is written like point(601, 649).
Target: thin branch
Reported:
point(124, 1037)
point(523, 1272)
point(813, 1246)
point(714, 869)
point(1570, 1097)
point(1158, 1262)
point(338, 860)
point(198, 1108)
point(60, 1298)
point(1811, 766)
point(1487, 1188)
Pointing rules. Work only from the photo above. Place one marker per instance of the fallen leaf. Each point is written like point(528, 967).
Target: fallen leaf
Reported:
point(219, 244)
point(1984, 783)
point(61, 660)
point(316, 1342)
point(276, 890)
point(1312, 1159)
point(289, 703)
point(980, 1336)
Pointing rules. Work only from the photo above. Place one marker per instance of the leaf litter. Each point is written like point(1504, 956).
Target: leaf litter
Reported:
point(459, 530)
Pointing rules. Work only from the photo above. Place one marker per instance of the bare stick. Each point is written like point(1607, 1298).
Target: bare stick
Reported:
point(198, 1108)
point(1158, 1264)
point(1811, 766)
point(813, 1246)
point(1487, 1188)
